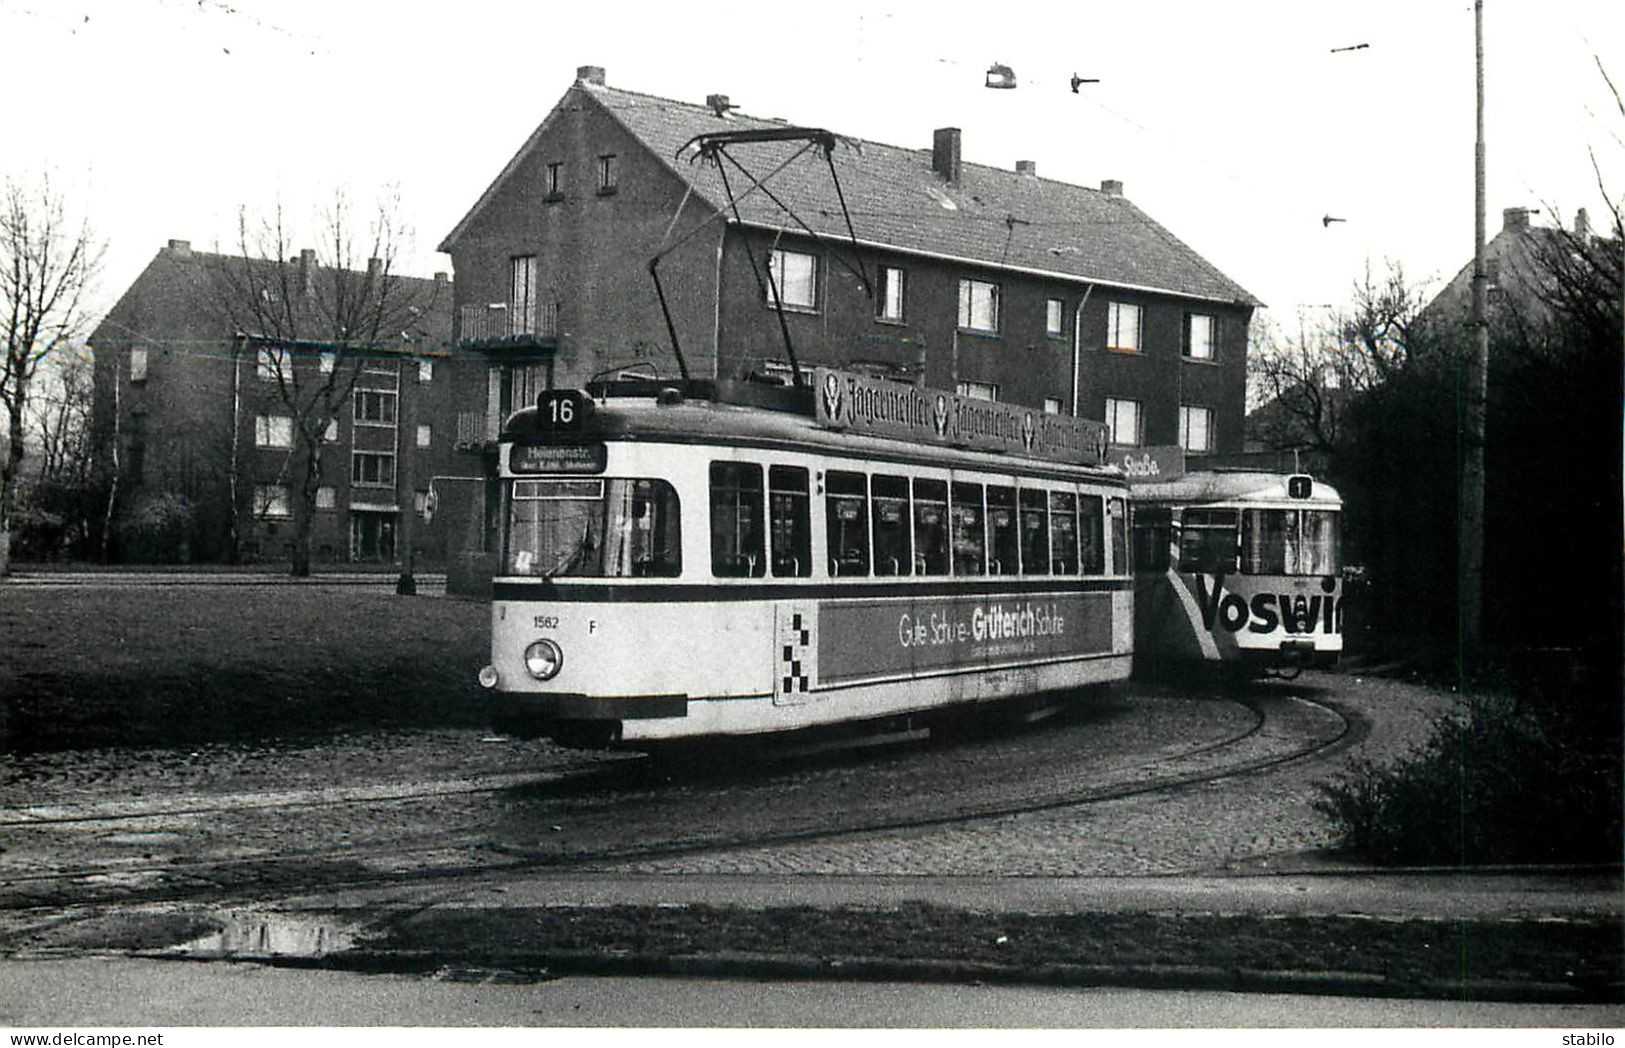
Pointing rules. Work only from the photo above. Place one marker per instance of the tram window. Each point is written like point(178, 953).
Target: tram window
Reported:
point(1091, 535)
point(1063, 522)
point(1003, 531)
point(1322, 543)
point(1153, 528)
point(1034, 531)
point(736, 520)
point(789, 521)
point(893, 547)
point(1117, 517)
point(1269, 541)
point(1208, 541)
point(576, 528)
point(930, 527)
point(846, 518)
point(967, 529)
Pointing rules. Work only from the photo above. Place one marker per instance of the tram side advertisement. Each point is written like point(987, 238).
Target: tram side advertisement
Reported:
point(868, 640)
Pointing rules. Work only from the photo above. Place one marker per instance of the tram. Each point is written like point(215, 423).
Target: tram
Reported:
point(705, 559)
point(1240, 568)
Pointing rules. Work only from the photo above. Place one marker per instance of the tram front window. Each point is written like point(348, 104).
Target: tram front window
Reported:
point(592, 528)
point(1290, 542)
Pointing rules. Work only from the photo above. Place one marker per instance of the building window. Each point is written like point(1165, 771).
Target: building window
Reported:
point(326, 497)
point(138, 364)
point(423, 436)
point(330, 435)
point(273, 431)
point(522, 295)
point(1123, 327)
point(372, 469)
point(271, 502)
point(420, 504)
point(327, 360)
point(271, 363)
point(1052, 405)
point(978, 305)
point(795, 275)
point(1196, 428)
point(555, 181)
point(1201, 333)
point(374, 407)
point(607, 174)
point(979, 390)
point(890, 298)
point(1123, 422)
point(425, 371)
point(1054, 325)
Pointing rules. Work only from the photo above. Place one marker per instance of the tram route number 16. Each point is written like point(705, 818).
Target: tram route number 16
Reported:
point(562, 409)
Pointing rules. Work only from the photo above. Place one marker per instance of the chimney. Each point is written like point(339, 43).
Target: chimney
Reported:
point(442, 277)
point(1027, 167)
point(718, 104)
point(1514, 219)
point(593, 75)
point(1111, 187)
point(945, 153)
point(184, 247)
point(375, 267)
point(1582, 224)
point(307, 256)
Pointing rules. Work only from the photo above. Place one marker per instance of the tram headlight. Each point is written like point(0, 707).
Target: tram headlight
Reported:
point(544, 659)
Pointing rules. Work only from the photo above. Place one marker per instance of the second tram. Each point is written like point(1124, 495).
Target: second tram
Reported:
point(674, 565)
point(1238, 567)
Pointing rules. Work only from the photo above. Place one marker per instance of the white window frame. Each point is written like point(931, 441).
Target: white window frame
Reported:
point(138, 364)
point(272, 502)
point(330, 435)
point(988, 391)
point(327, 497)
point(1189, 414)
point(1124, 323)
point(268, 361)
point(425, 434)
point(608, 173)
point(1054, 317)
point(798, 286)
point(979, 306)
point(425, 370)
point(273, 431)
point(523, 275)
point(1052, 405)
point(1116, 407)
point(356, 480)
point(328, 360)
point(1201, 336)
point(893, 285)
point(393, 399)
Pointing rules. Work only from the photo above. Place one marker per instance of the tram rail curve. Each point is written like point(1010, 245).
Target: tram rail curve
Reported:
point(630, 810)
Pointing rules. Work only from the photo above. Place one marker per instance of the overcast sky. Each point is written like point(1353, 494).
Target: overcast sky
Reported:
point(1236, 125)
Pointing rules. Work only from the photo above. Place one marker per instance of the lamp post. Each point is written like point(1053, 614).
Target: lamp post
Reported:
point(1470, 541)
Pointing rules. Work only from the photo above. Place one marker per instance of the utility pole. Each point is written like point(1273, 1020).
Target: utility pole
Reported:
point(1471, 537)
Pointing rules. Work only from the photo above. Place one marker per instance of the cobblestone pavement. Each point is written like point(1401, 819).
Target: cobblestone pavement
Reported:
point(1253, 822)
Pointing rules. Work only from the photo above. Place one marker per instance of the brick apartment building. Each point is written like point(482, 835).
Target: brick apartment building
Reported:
point(999, 283)
point(192, 409)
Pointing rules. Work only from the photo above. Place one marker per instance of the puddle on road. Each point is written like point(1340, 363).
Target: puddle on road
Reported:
point(273, 935)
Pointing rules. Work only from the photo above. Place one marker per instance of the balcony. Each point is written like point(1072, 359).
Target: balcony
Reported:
point(500, 326)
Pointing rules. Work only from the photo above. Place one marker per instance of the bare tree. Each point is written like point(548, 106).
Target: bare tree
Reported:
point(1304, 382)
point(47, 263)
point(310, 320)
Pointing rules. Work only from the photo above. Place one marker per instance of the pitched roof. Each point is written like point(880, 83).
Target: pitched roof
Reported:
point(173, 294)
point(991, 216)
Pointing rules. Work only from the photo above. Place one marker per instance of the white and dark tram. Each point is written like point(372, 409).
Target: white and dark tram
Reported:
point(703, 559)
point(1240, 568)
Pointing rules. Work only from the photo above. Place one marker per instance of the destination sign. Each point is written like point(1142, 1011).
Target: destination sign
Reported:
point(882, 408)
point(557, 458)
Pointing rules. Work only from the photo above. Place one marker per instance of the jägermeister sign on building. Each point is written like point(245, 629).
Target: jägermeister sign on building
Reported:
point(882, 408)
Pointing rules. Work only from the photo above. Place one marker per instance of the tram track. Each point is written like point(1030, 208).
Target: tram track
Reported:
point(598, 816)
